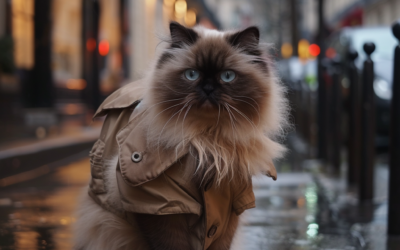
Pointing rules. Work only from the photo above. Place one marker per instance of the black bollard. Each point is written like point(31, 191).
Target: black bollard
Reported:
point(337, 114)
point(394, 153)
point(354, 119)
point(367, 128)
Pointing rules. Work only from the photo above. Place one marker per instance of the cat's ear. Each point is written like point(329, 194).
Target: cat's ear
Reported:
point(181, 35)
point(247, 39)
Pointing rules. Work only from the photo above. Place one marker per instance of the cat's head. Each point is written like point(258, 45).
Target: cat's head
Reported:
point(209, 80)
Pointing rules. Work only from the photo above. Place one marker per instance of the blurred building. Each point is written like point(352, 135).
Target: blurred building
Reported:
point(149, 24)
point(272, 17)
point(59, 59)
point(382, 12)
point(348, 13)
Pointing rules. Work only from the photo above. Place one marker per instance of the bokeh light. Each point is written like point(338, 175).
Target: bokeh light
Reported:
point(180, 8)
point(76, 84)
point(314, 50)
point(190, 18)
point(104, 47)
point(303, 49)
point(169, 3)
point(286, 50)
point(91, 44)
point(330, 53)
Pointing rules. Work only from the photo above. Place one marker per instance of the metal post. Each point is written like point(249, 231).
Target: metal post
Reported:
point(354, 120)
point(294, 23)
point(322, 135)
point(337, 115)
point(42, 95)
point(90, 55)
point(8, 18)
point(96, 57)
point(394, 161)
point(368, 128)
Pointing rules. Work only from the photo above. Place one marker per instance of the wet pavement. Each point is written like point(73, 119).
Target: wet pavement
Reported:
point(290, 214)
point(301, 210)
point(38, 214)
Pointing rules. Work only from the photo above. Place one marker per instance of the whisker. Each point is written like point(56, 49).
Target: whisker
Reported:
point(247, 118)
point(165, 102)
point(187, 103)
point(184, 117)
point(219, 112)
point(170, 89)
point(244, 116)
point(230, 117)
point(167, 109)
point(259, 116)
point(258, 106)
point(159, 136)
point(233, 126)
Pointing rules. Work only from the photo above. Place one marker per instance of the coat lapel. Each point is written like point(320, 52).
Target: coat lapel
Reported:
point(152, 161)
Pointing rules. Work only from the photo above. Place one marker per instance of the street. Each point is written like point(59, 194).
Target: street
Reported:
point(38, 214)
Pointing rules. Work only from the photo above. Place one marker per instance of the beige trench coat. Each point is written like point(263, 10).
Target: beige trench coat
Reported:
point(153, 182)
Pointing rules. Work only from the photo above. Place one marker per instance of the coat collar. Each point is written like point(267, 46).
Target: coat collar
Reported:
point(124, 97)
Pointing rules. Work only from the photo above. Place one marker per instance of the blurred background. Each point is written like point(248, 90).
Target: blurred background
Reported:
point(60, 59)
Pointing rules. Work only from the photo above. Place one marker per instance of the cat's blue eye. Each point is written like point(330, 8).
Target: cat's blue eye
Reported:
point(192, 74)
point(228, 76)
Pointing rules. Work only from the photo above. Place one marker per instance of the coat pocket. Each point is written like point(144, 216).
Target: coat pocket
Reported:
point(96, 167)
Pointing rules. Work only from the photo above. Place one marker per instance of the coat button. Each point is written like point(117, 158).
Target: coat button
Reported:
point(212, 231)
point(136, 157)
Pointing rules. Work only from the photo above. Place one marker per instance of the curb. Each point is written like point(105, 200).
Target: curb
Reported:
point(41, 155)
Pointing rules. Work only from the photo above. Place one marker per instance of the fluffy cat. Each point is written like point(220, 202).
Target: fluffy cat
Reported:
point(215, 94)
point(227, 123)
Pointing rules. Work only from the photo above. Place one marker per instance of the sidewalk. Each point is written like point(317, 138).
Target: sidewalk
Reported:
point(26, 159)
point(307, 208)
point(365, 222)
point(291, 213)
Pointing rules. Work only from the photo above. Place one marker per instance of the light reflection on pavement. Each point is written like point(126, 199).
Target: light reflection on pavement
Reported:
point(38, 214)
point(291, 214)
point(288, 215)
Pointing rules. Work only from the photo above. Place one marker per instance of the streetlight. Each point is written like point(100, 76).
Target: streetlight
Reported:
point(190, 18)
point(180, 8)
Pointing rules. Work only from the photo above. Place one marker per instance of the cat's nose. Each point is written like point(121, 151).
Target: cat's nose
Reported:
point(208, 88)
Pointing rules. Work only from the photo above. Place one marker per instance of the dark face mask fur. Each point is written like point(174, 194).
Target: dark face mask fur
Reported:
point(216, 93)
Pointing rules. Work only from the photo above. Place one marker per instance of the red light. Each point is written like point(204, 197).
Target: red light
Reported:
point(330, 53)
point(104, 47)
point(314, 50)
point(91, 44)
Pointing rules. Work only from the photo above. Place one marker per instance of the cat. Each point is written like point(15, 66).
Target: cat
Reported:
point(213, 95)
point(223, 120)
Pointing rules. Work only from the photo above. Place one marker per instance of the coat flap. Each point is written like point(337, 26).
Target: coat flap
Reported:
point(122, 98)
point(244, 198)
point(138, 163)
